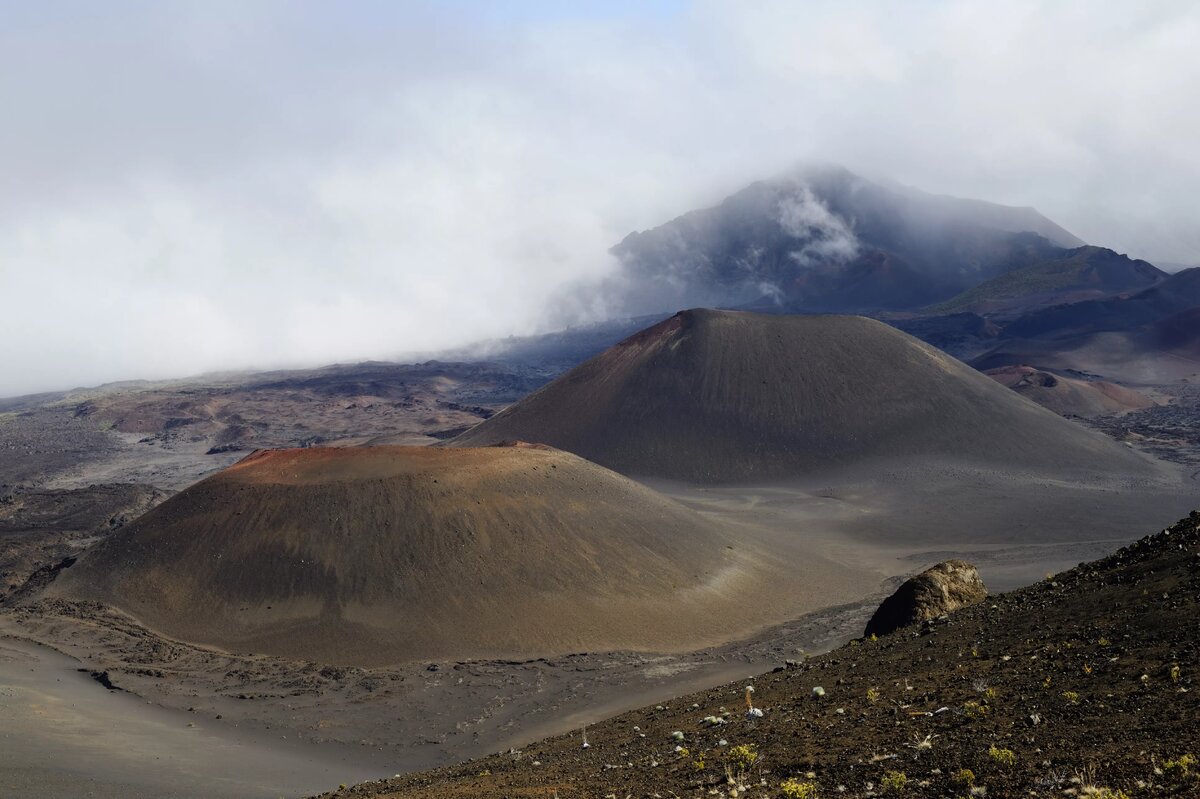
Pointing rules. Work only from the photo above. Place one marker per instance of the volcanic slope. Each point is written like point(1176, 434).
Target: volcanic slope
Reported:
point(722, 396)
point(387, 554)
point(1067, 396)
point(1084, 685)
point(821, 238)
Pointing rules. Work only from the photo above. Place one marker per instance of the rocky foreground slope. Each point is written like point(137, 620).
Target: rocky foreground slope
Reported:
point(1081, 685)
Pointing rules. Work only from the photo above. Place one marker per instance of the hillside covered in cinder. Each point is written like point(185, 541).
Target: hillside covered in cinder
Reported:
point(1081, 685)
point(722, 396)
point(390, 554)
point(1069, 396)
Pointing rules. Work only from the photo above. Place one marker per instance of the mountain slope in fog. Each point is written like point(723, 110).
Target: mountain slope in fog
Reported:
point(825, 239)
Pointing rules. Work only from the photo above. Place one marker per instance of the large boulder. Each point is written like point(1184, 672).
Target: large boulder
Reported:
point(948, 586)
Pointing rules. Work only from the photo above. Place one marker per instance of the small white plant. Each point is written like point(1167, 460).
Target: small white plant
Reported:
point(922, 744)
point(751, 711)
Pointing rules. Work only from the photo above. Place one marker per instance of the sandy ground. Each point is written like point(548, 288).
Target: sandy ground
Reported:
point(897, 518)
point(65, 735)
point(873, 527)
point(281, 734)
point(1084, 685)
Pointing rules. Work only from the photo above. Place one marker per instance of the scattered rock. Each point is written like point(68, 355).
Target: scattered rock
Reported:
point(946, 587)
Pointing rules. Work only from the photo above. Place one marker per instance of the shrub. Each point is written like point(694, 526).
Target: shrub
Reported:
point(742, 756)
point(964, 777)
point(974, 710)
point(872, 695)
point(1071, 696)
point(795, 789)
point(1005, 757)
point(893, 782)
point(1180, 768)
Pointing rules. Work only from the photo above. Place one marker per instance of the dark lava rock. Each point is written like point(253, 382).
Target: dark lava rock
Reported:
point(948, 586)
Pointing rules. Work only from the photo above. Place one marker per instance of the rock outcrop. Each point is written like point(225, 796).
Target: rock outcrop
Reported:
point(948, 586)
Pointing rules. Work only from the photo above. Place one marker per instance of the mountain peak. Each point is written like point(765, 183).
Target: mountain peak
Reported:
point(822, 238)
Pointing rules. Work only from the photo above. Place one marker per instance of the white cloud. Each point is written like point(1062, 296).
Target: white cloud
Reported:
point(192, 185)
point(827, 237)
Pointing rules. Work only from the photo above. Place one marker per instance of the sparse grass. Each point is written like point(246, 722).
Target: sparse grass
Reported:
point(1100, 792)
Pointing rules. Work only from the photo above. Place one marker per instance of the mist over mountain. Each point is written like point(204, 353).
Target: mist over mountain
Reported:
point(825, 239)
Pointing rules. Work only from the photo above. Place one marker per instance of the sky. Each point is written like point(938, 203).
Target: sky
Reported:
point(222, 184)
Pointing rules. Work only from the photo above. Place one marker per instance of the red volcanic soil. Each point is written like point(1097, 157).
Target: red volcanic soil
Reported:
point(722, 396)
point(387, 554)
point(1068, 396)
